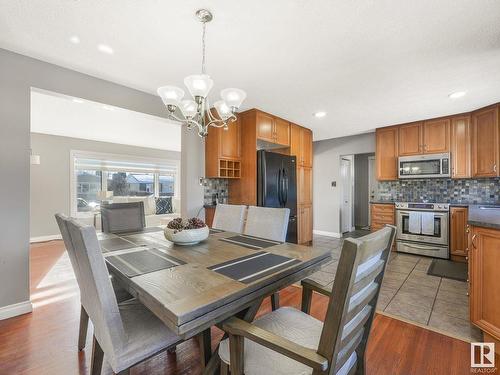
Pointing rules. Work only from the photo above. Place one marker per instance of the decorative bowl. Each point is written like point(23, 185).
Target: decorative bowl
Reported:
point(186, 236)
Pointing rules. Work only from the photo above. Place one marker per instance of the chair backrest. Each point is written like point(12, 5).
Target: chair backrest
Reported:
point(63, 228)
point(97, 295)
point(352, 303)
point(266, 222)
point(122, 217)
point(230, 217)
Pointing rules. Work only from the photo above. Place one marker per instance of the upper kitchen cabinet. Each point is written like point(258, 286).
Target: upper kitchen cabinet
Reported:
point(387, 153)
point(223, 152)
point(410, 139)
point(301, 145)
point(460, 147)
point(272, 129)
point(485, 142)
point(436, 136)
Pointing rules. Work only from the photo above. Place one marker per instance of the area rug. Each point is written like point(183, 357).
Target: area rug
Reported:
point(448, 269)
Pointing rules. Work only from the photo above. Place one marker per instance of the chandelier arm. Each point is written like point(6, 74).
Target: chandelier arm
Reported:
point(172, 116)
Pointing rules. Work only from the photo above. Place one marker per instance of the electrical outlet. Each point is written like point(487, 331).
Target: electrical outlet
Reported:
point(334, 183)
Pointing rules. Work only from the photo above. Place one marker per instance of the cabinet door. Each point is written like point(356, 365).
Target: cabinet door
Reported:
point(304, 224)
point(484, 278)
point(410, 139)
point(459, 231)
point(386, 156)
point(436, 136)
point(460, 147)
point(282, 132)
point(304, 184)
point(307, 151)
point(485, 142)
point(229, 143)
point(296, 143)
point(265, 127)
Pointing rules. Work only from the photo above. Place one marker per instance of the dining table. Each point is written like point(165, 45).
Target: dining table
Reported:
point(192, 288)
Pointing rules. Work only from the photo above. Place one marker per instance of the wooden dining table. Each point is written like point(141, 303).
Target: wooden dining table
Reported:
point(192, 288)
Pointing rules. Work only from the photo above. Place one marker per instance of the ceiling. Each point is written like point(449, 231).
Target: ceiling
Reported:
point(367, 63)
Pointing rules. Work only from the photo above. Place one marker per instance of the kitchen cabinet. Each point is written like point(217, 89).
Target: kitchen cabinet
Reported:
point(304, 224)
point(380, 215)
point(272, 129)
point(484, 266)
point(281, 132)
point(386, 154)
point(459, 233)
point(485, 142)
point(223, 152)
point(460, 147)
point(304, 185)
point(436, 136)
point(301, 145)
point(410, 139)
point(209, 216)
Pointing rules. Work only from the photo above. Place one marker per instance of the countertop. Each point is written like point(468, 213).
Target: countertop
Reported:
point(481, 217)
point(382, 202)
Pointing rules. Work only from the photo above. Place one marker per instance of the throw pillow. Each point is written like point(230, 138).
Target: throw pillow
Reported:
point(164, 205)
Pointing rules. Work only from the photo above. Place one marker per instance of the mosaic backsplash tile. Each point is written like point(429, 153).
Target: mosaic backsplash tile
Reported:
point(213, 186)
point(441, 190)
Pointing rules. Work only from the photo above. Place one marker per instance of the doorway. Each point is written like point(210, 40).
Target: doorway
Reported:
point(372, 185)
point(346, 207)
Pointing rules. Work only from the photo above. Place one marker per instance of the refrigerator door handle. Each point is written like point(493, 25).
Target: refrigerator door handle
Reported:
point(278, 185)
point(285, 187)
point(263, 177)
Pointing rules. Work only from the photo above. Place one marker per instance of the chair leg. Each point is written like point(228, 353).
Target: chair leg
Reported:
point(236, 351)
point(205, 341)
point(172, 349)
point(84, 323)
point(275, 301)
point(97, 358)
point(306, 300)
point(224, 368)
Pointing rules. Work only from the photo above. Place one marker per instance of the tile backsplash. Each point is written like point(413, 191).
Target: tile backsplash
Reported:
point(212, 186)
point(441, 190)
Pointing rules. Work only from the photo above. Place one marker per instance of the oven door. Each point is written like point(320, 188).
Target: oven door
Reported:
point(440, 236)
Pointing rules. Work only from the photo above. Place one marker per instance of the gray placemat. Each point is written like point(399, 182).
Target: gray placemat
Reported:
point(448, 269)
point(250, 242)
point(143, 261)
point(215, 231)
point(114, 244)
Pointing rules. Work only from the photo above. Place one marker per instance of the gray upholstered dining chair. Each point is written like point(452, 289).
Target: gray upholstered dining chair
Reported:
point(126, 333)
point(229, 217)
point(269, 223)
point(120, 293)
point(289, 341)
point(122, 217)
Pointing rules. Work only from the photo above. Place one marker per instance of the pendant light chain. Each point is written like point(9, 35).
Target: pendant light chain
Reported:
point(203, 59)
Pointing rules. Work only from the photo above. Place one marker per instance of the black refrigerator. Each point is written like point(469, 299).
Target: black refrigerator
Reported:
point(277, 186)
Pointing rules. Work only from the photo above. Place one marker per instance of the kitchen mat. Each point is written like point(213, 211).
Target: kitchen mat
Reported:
point(253, 267)
point(113, 244)
point(137, 263)
point(251, 242)
point(448, 269)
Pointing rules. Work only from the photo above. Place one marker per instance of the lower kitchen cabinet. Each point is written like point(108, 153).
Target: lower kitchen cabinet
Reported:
point(304, 224)
point(484, 277)
point(459, 233)
point(209, 216)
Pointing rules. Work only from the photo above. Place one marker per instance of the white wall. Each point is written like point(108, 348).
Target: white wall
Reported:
point(326, 168)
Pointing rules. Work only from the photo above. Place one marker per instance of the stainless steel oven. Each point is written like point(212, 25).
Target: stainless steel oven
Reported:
point(435, 244)
point(424, 166)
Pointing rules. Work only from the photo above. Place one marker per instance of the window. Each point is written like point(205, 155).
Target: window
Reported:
point(102, 177)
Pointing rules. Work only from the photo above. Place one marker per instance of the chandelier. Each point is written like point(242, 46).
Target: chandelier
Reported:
point(196, 112)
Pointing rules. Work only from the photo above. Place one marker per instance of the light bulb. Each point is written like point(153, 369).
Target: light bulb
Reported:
point(199, 85)
point(233, 97)
point(171, 95)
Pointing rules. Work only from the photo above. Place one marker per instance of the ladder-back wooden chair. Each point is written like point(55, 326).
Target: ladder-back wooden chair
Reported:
point(289, 341)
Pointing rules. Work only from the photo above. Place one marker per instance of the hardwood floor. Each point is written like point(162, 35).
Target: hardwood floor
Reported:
point(45, 341)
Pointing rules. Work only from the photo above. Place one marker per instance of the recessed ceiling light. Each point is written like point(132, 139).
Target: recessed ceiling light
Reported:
point(319, 114)
point(456, 95)
point(77, 100)
point(104, 48)
point(74, 39)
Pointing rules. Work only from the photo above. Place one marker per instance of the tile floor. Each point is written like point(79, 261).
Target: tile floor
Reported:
point(409, 293)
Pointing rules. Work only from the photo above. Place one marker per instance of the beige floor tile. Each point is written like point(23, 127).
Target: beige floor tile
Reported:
point(414, 299)
point(455, 326)
point(393, 282)
point(425, 260)
point(459, 298)
point(423, 279)
point(417, 289)
point(382, 302)
point(457, 310)
point(422, 267)
point(454, 286)
point(417, 314)
point(408, 258)
point(401, 267)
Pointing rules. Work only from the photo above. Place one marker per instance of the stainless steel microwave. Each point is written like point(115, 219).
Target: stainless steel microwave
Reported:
point(424, 166)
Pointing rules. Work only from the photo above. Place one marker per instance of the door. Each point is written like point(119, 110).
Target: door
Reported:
point(229, 143)
point(265, 127)
point(410, 139)
point(282, 132)
point(304, 178)
point(346, 195)
point(458, 231)
point(460, 147)
point(436, 135)
point(387, 153)
point(307, 151)
point(372, 185)
point(485, 142)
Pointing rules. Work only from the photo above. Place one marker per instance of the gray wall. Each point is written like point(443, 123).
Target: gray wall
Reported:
point(50, 181)
point(18, 74)
point(326, 168)
point(361, 201)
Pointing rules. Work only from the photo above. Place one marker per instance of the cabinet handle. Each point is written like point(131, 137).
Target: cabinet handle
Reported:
point(494, 167)
point(472, 241)
point(467, 228)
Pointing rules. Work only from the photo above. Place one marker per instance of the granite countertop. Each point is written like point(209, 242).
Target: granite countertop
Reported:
point(484, 217)
point(381, 202)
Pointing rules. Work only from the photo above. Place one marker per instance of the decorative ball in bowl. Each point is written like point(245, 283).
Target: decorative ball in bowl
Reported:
point(186, 232)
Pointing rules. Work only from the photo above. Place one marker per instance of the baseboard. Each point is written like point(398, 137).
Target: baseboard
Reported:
point(16, 309)
point(328, 234)
point(45, 238)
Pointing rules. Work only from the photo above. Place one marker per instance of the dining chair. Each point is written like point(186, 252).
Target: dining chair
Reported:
point(126, 333)
point(122, 217)
point(269, 223)
point(120, 293)
point(289, 341)
point(229, 217)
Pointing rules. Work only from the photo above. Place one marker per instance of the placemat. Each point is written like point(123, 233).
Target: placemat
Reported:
point(253, 267)
point(113, 244)
point(137, 263)
point(214, 231)
point(251, 242)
